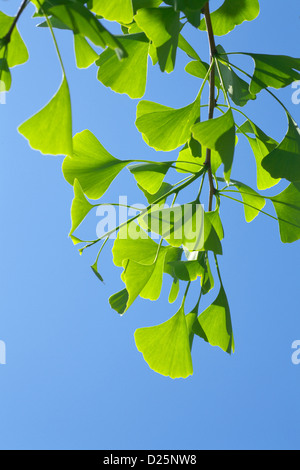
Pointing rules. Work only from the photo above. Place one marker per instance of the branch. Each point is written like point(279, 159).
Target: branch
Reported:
point(7, 37)
point(212, 98)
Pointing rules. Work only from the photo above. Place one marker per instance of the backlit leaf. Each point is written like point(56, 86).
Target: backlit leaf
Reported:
point(150, 176)
point(284, 160)
point(91, 165)
point(129, 75)
point(165, 128)
point(114, 10)
point(214, 324)
point(17, 53)
point(84, 53)
point(80, 207)
point(166, 347)
point(50, 130)
point(218, 134)
point(231, 14)
point(287, 206)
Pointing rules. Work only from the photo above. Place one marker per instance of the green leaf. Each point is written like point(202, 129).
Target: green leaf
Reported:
point(81, 20)
point(214, 324)
point(165, 128)
point(84, 53)
point(129, 75)
point(174, 291)
point(5, 76)
point(218, 134)
point(114, 10)
point(17, 53)
point(231, 14)
point(250, 198)
point(187, 270)
point(96, 272)
point(150, 176)
point(284, 160)
point(199, 69)
point(50, 130)
point(185, 46)
point(151, 198)
point(236, 87)
point(119, 301)
point(166, 347)
point(137, 4)
point(287, 206)
point(261, 145)
point(187, 163)
point(80, 207)
point(212, 234)
point(141, 249)
point(191, 9)
point(276, 71)
point(178, 225)
point(162, 27)
point(92, 165)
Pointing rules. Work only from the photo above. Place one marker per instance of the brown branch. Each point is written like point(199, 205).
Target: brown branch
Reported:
point(212, 99)
point(16, 19)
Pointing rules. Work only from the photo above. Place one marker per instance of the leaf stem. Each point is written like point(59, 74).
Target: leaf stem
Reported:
point(212, 98)
point(7, 37)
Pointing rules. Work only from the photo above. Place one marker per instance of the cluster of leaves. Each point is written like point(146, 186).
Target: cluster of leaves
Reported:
point(152, 28)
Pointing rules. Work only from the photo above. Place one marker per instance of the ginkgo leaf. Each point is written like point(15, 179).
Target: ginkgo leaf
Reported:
point(187, 163)
point(212, 240)
point(231, 14)
point(80, 207)
point(150, 176)
point(236, 87)
point(284, 160)
point(261, 145)
point(162, 27)
point(166, 347)
point(178, 225)
point(81, 20)
point(50, 130)
point(214, 324)
point(165, 128)
point(275, 71)
point(253, 202)
point(5, 76)
point(142, 249)
point(187, 270)
point(218, 134)
point(287, 206)
point(174, 291)
point(119, 301)
point(137, 4)
point(114, 10)
point(164, 189)
point(17, 53)
point(129, 75)
point(191, 9)
point(91, 165)
point(84, 53)
point(199, 69)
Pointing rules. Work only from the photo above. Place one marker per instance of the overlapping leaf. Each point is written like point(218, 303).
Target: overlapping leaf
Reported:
point(165, 128)
point(261, 145)
point(80, 20)
point(129, 75)
point(84, 53)
point(150, 176)
point(218, 134)
point(162, 27)
point(17, 53)
point(214, 324)
point(114, 10)
point(80, 207)
point(284, 160)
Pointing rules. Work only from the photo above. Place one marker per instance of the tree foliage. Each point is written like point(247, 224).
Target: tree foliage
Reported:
point(204, 134)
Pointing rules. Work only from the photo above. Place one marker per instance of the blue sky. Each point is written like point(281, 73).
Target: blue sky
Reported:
point(73, 377)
